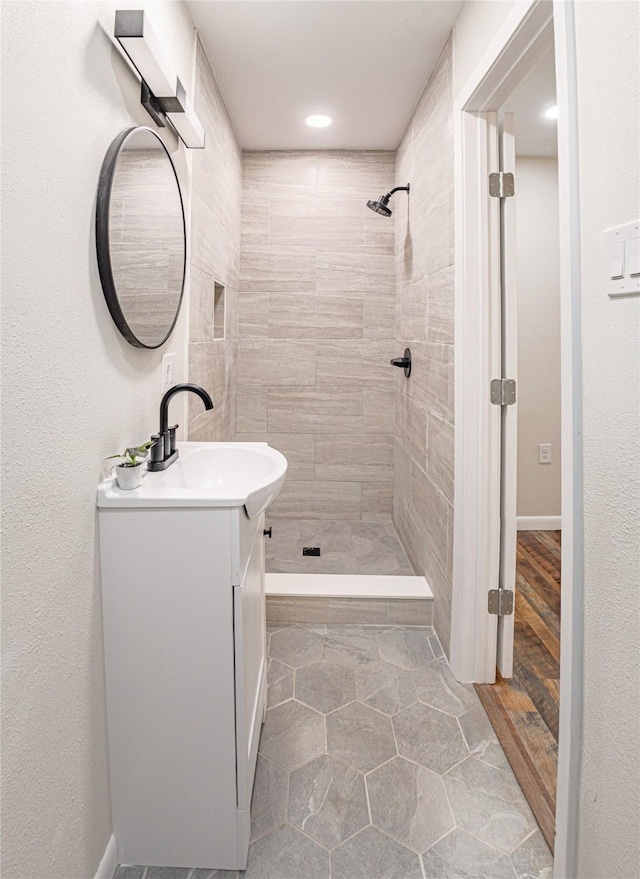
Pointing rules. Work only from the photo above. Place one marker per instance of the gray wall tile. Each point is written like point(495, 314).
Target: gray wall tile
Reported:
point(424, 257)
point(283, 174)
point(360, 272)
point(361, 364)
point(333, 316)
point(276, 362)
point(330, 610)
point(214, 256)
point(377, 500)
point(379, 315)
point(411, 312)
point(255, 224)
point(411, 428)
point(377, 410)
point(317, 270)
point(317, 224)
point(318, 500)
point(440, 455)
point(440, 307)
point(367, 457)
point(251, 410)
point(311, 410)
point(264, 270)
point(253, 315)
point(351, 173)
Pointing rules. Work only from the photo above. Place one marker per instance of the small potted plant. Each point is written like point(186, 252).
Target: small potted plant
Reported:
point(129, 470)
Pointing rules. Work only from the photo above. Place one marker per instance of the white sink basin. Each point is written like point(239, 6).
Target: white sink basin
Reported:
point(246, 475)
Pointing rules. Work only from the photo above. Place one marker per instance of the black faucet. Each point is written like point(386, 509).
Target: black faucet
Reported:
point(163, 452)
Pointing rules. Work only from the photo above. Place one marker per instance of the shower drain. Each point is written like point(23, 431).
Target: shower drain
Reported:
point(310, 550)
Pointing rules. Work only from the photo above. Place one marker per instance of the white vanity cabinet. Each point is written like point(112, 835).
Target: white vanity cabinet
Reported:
point(185, 654)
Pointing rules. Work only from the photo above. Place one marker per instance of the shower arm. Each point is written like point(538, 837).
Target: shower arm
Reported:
point(398, 189)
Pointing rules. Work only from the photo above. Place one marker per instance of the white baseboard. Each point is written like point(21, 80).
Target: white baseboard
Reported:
point(109, 860)
point(539, 523)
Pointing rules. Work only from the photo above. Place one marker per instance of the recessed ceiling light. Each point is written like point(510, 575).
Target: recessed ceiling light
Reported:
point(318, 120)
point(552, 112)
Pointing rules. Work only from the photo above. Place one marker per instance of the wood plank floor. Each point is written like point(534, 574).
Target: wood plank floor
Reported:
point(524, 709)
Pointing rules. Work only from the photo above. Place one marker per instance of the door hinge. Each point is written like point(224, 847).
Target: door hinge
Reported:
point(500, 602)
point(503, 391)
point(501, 184)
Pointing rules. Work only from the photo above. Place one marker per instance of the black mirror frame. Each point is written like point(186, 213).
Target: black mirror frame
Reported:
point(103, 201)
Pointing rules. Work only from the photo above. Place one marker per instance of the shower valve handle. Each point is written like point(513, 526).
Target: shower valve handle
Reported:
point(403, 362)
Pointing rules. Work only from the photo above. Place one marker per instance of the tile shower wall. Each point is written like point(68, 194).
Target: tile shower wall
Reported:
point(215, 255)
point(423, 494)
point(316, 332)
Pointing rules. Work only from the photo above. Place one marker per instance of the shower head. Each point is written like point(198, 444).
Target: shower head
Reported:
point(381, 205)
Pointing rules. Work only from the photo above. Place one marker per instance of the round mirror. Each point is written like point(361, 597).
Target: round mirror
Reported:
point(141, 237)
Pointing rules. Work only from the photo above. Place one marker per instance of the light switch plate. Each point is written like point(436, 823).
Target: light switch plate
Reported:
point(633, 256)
point(168, 371)
point(621, 259)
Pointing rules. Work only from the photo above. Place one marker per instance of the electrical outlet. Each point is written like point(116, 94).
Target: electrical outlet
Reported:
point(168, 371)
point(544, 453)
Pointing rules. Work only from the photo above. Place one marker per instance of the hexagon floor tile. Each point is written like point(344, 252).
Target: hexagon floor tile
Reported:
point(489, 803)
point(392, 696)
point(371, 675)
point(296, 646)
point(360, 737)
point(325, 686)
point(285, 852)
point(292, 735)
point(429, 737)
point(409, 803)
point(459, 854)
point(437, 687)
point(532, 859)
point(408, 648)
point(270, 797)
point(328, 801)
point(321, 778)
point(350, 645)
point(481, 739)
point(373, 855)
point(279, 683)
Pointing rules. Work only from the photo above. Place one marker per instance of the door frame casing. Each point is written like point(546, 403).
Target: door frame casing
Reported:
point(518, 44)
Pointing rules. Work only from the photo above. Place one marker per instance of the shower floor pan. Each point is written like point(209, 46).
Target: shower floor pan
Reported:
point(361, 576)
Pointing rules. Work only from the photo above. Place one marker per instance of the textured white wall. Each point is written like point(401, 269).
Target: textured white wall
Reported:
point(538, 334)
point(73, 392)
point(607, 43)
point(474, 30)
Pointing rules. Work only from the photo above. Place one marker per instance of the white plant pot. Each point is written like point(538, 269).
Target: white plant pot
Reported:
point(129, 477)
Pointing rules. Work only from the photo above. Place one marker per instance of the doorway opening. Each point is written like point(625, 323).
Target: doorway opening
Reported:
point(523, 704)
point(484, 560)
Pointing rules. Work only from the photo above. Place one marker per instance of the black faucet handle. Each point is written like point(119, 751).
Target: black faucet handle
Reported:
point(156, 451)
point(171, 439)
point(403, 362)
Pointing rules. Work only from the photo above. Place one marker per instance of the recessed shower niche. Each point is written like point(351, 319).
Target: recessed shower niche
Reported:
point(219, 310)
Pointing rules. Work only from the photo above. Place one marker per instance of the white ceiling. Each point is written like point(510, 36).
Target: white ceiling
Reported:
point(535, 134)
point(364, 62)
